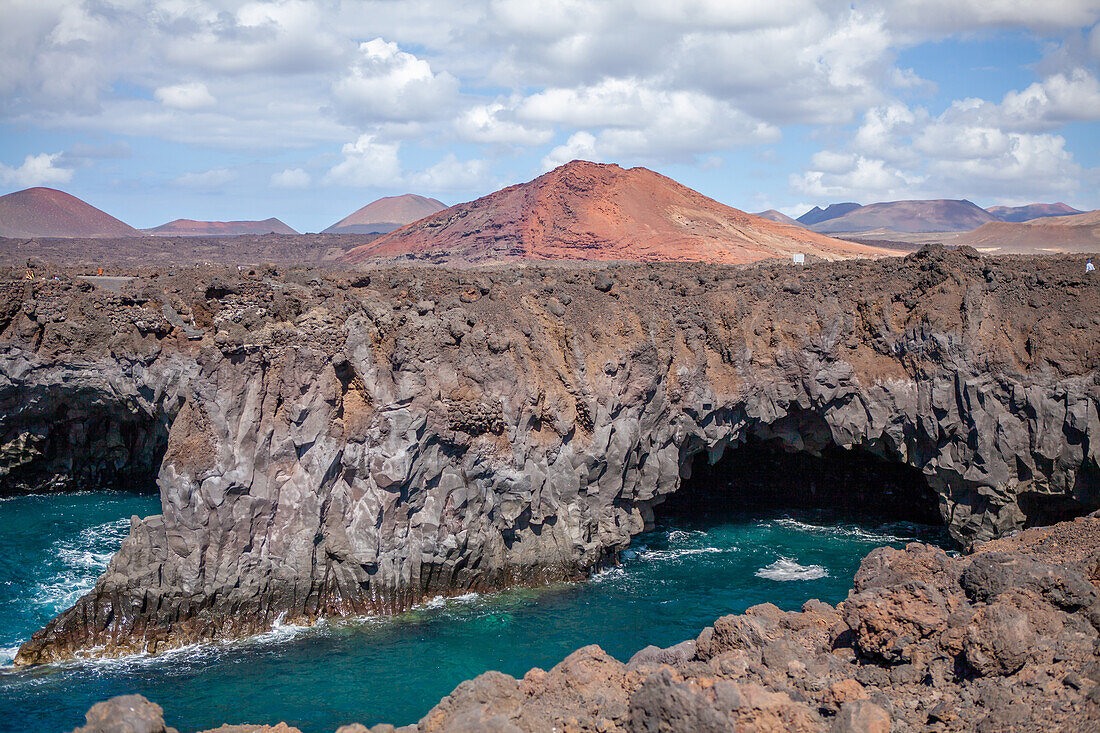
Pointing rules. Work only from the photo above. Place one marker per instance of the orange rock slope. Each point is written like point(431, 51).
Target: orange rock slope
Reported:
point(591, 211)
point(47, 212)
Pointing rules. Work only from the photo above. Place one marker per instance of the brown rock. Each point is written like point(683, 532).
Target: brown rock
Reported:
point(887, 622)
point(847, 690)
point(861, 716)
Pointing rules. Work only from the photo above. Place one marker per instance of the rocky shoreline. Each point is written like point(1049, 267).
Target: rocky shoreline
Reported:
point(1002, 640)
point(329, 444)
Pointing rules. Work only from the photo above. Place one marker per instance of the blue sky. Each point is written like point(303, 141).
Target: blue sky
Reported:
point(309, 109)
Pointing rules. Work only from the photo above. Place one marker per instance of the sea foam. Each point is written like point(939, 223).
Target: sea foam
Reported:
point(787, 569)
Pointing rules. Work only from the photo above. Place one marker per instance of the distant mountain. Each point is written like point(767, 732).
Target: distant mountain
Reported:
point(779, 216)
point(937, 215)
point(591, 211)
point(386, 214)
point(1075, 233)
point(47, 212)
point(192, 228)
point(1031, 211)
point(816, 215)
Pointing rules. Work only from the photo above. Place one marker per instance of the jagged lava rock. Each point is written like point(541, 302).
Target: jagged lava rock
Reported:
point(344, 445)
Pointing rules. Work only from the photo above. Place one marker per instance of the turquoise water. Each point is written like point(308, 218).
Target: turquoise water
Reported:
point(671, 583)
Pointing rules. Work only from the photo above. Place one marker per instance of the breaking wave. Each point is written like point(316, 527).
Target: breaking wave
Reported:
point(908, 532)
point(787, 569)
point(78, 562)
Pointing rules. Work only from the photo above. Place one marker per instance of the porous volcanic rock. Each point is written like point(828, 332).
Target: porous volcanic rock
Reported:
point(47, 212)
point(344, 444)
point(1002, 640)
point(592, 211)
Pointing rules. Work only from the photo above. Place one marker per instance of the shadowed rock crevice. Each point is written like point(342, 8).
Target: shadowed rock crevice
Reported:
point(77, 440)
point(765, 474)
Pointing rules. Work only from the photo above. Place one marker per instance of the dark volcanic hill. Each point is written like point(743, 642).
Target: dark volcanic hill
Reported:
point(936, 215)
point(817, 214)
point(779, 216)
point(47, 212)
point(1076, 233)
point(386, 214)
point(1031, 211)
point(192, 228)
point(592, 211)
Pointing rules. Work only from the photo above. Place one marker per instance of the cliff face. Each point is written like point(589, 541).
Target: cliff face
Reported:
point(355, 444)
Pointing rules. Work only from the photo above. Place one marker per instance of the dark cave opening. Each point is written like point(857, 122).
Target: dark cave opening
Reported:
point(79, 442)
point(763, 476)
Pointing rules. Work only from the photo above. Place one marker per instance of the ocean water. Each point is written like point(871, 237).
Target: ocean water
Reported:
point(671, 583)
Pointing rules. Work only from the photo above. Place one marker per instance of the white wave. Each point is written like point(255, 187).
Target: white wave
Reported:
point(279, 632)
point(682, 534)
point(7, 654)
point(607, 574)
point(78, 562)
point(787, 569)
point(442, 601)
point(683, 552)
point(841, 530)
point(466, 597)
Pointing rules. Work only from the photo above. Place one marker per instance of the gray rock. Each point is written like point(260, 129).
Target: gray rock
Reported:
point(125, 714)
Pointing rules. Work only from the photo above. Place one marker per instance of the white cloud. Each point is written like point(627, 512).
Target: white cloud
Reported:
point(291, 178)
point(36, 170)
point(858, 177)
point(634, 80)
point(367, 163)
point(495, 124)
point(193, 95)
point(452, 174)
point(207, 180)
point(1057, 99)
point(292, 37)
point(975, 147)
point(644, 123)
point(579, 146)
point(963, 16)
point(386, 83)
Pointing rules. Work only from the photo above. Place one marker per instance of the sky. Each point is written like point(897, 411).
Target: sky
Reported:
point(308, 109)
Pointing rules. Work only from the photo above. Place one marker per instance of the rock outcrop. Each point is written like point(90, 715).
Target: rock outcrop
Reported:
point(347, 444)
point(1005, 640)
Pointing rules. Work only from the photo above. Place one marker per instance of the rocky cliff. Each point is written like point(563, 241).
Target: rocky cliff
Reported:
point(344, 444)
